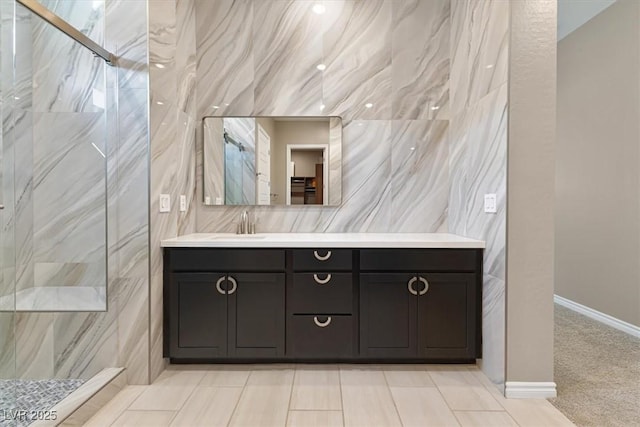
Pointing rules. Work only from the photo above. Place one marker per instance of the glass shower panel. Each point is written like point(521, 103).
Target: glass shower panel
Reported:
point(8, 393)
point(53, 166)
point(60, 165)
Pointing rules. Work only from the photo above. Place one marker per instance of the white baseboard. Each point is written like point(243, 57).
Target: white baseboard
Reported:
point(529, 390)
point(618, 324)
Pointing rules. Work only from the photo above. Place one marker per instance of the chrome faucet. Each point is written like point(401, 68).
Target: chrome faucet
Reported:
point(245, 226)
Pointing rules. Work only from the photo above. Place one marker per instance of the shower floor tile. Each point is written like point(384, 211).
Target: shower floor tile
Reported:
point(32, 395)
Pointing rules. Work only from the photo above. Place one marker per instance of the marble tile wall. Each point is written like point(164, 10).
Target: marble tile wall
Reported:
point(478, 152)
point(80, 344)
point(172, 56)
point(260, 57)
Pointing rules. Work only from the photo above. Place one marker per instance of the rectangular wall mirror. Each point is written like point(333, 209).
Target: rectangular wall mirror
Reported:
point(293, 161)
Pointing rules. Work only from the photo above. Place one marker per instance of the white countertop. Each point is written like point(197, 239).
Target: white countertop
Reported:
point(322, 240)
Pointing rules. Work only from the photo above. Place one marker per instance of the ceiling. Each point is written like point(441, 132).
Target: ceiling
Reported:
point(574, 13)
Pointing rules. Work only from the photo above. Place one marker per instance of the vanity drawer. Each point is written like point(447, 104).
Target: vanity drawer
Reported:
point(419, 260)
point(321, 293)
point(320, 336)
point(226, 260)
point(322, 259)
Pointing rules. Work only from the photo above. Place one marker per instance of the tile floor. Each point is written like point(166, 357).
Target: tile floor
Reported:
point(323, 395)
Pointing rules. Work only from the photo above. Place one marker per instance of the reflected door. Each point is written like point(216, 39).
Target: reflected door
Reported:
point(263, 167)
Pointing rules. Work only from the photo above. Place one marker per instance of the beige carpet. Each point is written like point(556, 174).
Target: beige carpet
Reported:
point(597, 370)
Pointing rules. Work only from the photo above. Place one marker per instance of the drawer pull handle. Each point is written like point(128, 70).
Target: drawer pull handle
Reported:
point(320, 257)
point(219, 284)
point(234, 284)
point(426, 286)
point(322, 281)
point(321, 324)
point(410, 286)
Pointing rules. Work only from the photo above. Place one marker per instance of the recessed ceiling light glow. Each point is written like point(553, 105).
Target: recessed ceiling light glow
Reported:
point(160, 103)
point(97, 3)
point(322, 107)
point(368, 105)
point(16, 98)
point(412, 148)
point(321, 67)
point(226, 104)
point(435, 107)
point(319, 8)
point(215, 107)
point(161, 66)
point(489, 66)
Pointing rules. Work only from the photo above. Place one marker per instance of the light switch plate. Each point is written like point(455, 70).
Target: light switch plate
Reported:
point(183, 203)
point(490, 203)
point(165, 203)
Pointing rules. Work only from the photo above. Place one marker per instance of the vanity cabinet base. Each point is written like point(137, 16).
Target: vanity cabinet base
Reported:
point(363, 306)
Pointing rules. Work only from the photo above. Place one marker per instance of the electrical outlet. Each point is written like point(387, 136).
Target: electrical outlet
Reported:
point(183, 203)
point(165, 203)
point(490, 203)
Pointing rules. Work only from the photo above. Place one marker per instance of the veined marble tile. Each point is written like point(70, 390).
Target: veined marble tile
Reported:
point(85, 343)
point(65, 73)
point(21, 136)
point(493, 328)
point(126, 37)
point(7, 345)
point(18, 90)
point(225, 55)
point(366, 201)
point(486, 169)
point(131, 302)
point(87, 274)
point(478, 166)
point(420, 175)
point(60, 298)
point(479, 49)
point(287, 47)
point(420, 61)
point(186, 56)
point(88, 17)
point(69, 188)
point(357, 53)
point(130, 250)
point(187, 171)
point(34, 333)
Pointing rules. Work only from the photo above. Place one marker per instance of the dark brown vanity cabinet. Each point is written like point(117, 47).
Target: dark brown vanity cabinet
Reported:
point(223, 315)
point(320, 303)
point(316, 305)
point(430, 315)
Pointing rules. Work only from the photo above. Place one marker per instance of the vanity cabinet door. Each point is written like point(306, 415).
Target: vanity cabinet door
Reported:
point(446, 315)
point(198, 324)
point(256, 304)
point(387, 316)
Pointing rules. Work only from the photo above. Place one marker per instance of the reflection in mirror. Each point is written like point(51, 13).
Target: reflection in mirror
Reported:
point(272, 161)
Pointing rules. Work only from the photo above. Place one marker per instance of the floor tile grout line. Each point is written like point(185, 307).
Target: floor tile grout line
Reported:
point(344, 421)
point(293, 382)
point(235, 408)
point(443, 398)
point(126, 408)
point(395, 406)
